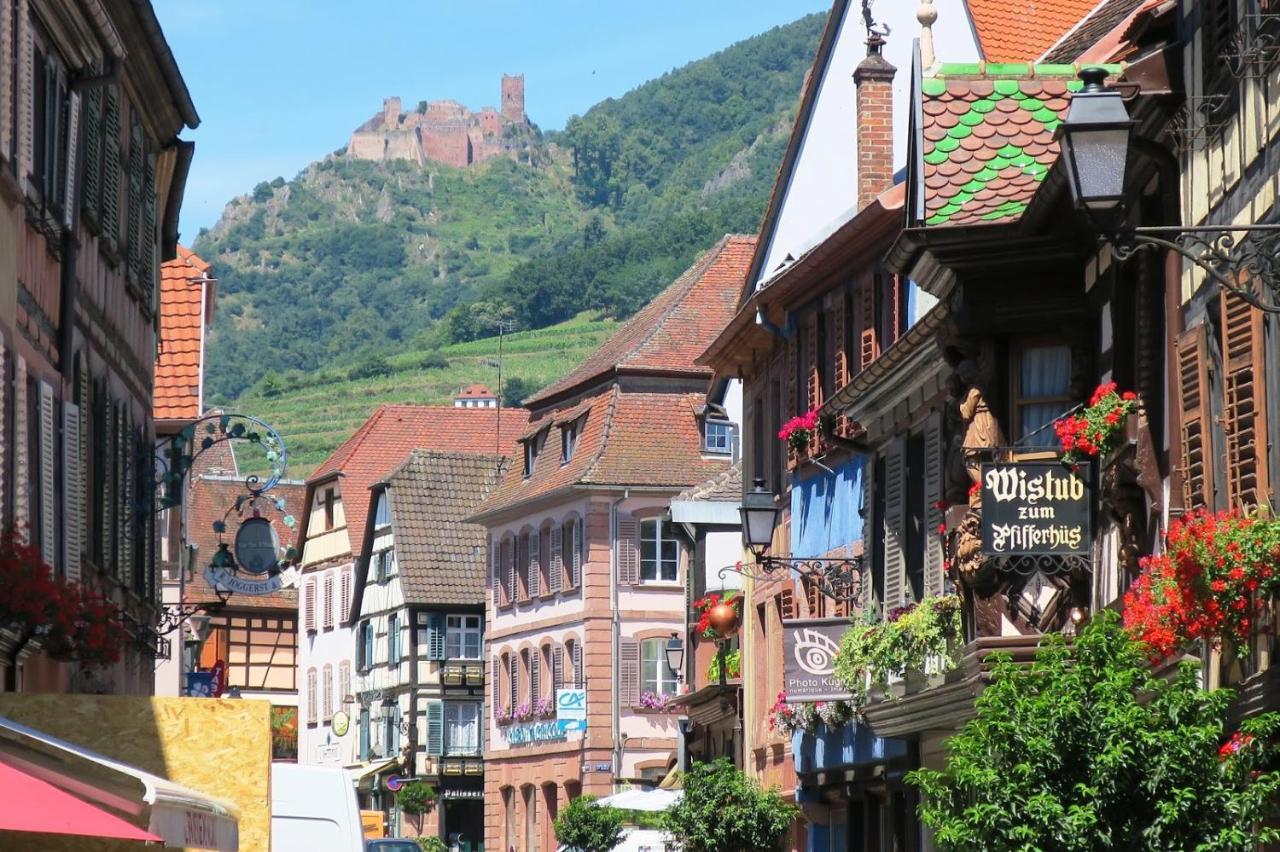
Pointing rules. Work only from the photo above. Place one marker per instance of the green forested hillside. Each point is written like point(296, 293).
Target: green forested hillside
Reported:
point(352, 261)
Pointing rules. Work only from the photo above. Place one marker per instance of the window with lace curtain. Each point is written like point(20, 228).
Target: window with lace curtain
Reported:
point(1041, 391)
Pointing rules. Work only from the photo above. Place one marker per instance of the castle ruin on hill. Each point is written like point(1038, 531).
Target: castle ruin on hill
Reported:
point(444, 131)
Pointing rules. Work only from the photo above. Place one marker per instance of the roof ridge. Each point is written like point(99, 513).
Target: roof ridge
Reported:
point(610, 411)
point(1072, 29)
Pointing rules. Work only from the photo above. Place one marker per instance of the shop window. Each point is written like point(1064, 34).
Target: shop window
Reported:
point(1041, 391)
point(659, 553)
point(655, 675)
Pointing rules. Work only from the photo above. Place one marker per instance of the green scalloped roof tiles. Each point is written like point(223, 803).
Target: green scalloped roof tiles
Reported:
point(988, 143)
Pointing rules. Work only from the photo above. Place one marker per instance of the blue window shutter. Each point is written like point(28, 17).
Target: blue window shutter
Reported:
point(393, 640)
point(435, 636)
point(435, 728)
point(364, 734)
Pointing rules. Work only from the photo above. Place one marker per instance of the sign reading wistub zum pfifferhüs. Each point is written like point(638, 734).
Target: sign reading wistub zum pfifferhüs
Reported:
point(1034, 509)
point(809, 648)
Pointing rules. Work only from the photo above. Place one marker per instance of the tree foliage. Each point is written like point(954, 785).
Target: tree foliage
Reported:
point(415, 799)
point(722, 810)
point(587, 827)
point(1086, 750)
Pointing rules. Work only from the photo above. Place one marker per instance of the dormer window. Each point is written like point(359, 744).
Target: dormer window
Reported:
point(530, 455)
point(569, 439)
point(718, 436)
point(382, 515)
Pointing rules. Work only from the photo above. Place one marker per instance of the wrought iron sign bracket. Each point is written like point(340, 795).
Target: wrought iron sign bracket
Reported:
point(838, 579)
point(173, 617)
point(175, 455)
point(1244, 259)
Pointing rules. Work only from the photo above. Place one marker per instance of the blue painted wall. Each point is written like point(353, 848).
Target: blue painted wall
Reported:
point(825, 509)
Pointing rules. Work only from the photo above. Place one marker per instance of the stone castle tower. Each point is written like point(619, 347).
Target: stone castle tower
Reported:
point(513, 98)
point(444, 131)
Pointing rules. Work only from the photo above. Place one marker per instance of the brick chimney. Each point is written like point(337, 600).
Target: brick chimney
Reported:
point(874, 80)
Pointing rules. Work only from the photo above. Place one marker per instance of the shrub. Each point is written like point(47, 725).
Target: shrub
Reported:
point(372, 367)
point(587, 827)
point(722, 810)
point(433, 361)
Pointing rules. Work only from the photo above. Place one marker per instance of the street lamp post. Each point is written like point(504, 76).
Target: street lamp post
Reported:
point(1096, 138)
point(840, 579)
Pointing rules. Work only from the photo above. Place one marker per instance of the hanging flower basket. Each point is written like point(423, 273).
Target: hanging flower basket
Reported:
point(786, 718)
point(719, 614)
point(1097, 429)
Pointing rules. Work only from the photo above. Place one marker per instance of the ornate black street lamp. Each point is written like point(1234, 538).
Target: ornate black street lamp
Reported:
point(839, 579)
point(675, 656)
point(1096, 140)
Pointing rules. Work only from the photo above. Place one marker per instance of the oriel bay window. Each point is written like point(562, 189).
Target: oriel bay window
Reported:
point(659, 553)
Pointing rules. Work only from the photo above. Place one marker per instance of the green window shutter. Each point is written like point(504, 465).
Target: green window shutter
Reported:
point(147, 257)
point(111, 166)
point(133, 220)
point(435, 728)
point(435, 636)
point(91, 192)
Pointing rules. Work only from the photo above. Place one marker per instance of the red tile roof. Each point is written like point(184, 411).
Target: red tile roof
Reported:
point(476, 391)
point(209, 500)
point(393, 431)
point(670, 332)
point(186, 299)
point(642, 440)
point(988, 140)
point(1022, 30)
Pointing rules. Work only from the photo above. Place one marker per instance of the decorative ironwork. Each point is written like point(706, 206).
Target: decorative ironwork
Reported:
point(174, 616)
point(175, 455)
point(1255, 48)
point(1200, 120)
point(1243, 259)
point(838, 579)
point(1047, 564)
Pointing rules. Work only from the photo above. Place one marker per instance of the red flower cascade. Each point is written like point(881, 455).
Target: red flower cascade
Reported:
point(1096, 430)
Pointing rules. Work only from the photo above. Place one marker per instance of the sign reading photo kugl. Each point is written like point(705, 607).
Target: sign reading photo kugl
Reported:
point(1035, 509)
point(809, 648)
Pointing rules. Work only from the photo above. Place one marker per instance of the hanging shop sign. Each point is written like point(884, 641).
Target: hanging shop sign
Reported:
point(257, 546)
point(809, 648)
point(223, 578)
point(1035, 509)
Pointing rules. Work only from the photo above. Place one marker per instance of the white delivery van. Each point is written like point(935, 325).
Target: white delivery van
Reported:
point(313, 808)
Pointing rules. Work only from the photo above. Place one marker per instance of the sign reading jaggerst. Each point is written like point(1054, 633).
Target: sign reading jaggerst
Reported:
point(809, 648)
point(1034, 509)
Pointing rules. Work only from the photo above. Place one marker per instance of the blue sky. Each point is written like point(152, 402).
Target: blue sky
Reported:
point(280, 83)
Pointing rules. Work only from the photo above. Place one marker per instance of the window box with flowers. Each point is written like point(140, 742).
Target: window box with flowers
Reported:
point(1216, 580)
point(71, 622)
point(502, 715)
point(786, 718)
point(913, 647)
point(654, 702)
point(522, 713)
point(544, 708)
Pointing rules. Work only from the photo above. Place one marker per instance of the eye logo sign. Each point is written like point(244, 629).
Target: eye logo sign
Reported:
point(809, 648)
point(815, 652)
